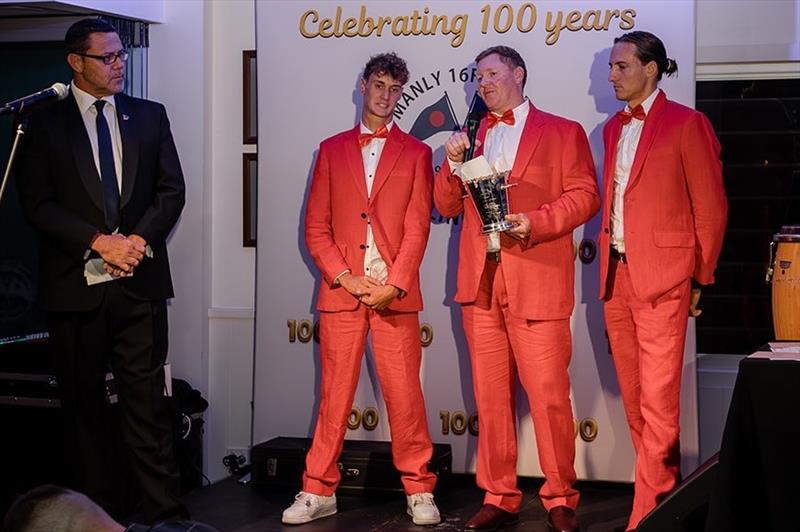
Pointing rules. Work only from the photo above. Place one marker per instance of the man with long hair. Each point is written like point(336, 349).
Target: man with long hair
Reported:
point(663, 221)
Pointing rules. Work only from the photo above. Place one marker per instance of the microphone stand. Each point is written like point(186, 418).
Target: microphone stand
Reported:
point(23, 124)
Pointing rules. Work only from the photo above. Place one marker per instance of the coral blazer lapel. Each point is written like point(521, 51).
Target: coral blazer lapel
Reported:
point(651, 125)
point(352, 154)
point(389, 156)
point(527, 143)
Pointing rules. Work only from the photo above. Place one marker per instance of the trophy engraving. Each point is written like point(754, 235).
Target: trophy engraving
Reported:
point(489, 192)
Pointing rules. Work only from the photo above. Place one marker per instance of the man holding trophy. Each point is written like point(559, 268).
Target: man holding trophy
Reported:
point(366, 227)
point(516, 286)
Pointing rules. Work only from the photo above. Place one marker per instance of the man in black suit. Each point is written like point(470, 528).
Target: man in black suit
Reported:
point(100, 180)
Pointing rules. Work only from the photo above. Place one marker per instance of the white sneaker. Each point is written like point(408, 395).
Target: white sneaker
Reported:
point(422, 509)
point(307, 507)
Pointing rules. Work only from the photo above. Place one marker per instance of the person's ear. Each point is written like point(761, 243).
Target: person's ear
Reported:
point(75, 62)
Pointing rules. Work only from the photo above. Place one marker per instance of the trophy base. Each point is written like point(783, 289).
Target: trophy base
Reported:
point(496, 227)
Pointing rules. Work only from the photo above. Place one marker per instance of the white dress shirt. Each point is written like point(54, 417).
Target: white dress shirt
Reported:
point(89, 114)
point(500, 149)
point(626, 151)
point(374, 265)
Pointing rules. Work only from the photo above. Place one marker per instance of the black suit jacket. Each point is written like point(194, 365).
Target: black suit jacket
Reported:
point(62, 196)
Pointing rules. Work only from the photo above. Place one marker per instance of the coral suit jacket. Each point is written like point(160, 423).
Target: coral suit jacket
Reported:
point(399, 211)
point(555, 185)
point(674, 204)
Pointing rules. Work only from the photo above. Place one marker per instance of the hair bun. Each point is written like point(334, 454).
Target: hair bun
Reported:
point(672, 66)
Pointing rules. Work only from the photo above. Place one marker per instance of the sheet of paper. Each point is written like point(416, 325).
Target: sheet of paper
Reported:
point(474, 168)
point(94, 273)
point(785, 347)
point(776, 356)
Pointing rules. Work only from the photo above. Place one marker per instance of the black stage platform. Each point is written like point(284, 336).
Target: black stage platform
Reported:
point(234, 507)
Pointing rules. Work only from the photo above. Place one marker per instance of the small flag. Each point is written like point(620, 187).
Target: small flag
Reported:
point(436, 117)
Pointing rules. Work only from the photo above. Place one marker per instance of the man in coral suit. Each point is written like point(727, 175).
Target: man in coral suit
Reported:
point(516, 289)
point(663, 221)
point(367, 224)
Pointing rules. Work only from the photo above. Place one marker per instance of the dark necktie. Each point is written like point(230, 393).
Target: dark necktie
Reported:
point(506, 118)
point(108, 173)
point(637, 113)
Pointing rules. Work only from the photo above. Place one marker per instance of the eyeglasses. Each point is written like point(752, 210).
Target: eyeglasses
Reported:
point(108, 59)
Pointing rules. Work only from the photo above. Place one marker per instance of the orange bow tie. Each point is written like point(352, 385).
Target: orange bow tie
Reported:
point(637, 113)
point(366, 138)
point(493, 119)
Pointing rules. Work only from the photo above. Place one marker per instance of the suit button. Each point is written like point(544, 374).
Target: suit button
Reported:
point(362, 246)
point(364, 215)
point(605, 230)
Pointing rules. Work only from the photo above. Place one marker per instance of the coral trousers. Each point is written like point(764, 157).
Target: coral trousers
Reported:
point(647, 342)
point(398, 354)
point(501, 346)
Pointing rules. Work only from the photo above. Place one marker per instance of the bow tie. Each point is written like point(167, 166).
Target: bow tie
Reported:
point(366, 138)
point(493, 119)
point(637, 113)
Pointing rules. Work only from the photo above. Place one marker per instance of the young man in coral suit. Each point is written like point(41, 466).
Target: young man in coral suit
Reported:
point(367, 224)
point(663, 221)
point(516, 289)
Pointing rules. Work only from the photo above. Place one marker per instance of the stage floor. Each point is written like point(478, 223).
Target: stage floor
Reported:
point(234, 507)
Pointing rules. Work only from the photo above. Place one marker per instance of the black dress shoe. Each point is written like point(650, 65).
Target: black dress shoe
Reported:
point(491, 517)
point(562, 519)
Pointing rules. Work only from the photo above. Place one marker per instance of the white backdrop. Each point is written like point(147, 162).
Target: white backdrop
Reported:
point(309, 63)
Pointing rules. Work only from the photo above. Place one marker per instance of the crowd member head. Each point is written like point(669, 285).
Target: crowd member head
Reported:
point(96, 56)
point(638, 61)
point(501, 76)
point(54, 509)
point(382, 85)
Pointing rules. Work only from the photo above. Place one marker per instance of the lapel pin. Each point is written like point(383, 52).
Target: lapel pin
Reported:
point(125, 117)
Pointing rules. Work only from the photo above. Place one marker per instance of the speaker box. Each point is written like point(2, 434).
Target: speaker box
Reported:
point(686, 508)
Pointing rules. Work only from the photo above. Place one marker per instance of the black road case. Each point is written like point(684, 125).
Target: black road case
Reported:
point(366, 466)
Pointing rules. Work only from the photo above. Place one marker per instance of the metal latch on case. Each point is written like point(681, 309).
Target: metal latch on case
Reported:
point(348, 472)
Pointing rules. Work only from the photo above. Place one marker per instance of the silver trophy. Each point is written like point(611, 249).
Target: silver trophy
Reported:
point(489, 192)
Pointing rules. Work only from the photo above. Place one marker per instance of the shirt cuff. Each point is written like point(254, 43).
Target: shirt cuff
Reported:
point(453, 164)
point(336, 279)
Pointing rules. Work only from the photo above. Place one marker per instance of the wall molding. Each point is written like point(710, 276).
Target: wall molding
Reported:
point(747, 71)
point(231, 313)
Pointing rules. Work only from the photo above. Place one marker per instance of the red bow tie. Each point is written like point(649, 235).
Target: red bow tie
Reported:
point(366, 138)
point(493, 119)
point(637, 113)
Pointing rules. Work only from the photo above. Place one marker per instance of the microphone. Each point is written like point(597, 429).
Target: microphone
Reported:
point(477, 110)
point(58, 91)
